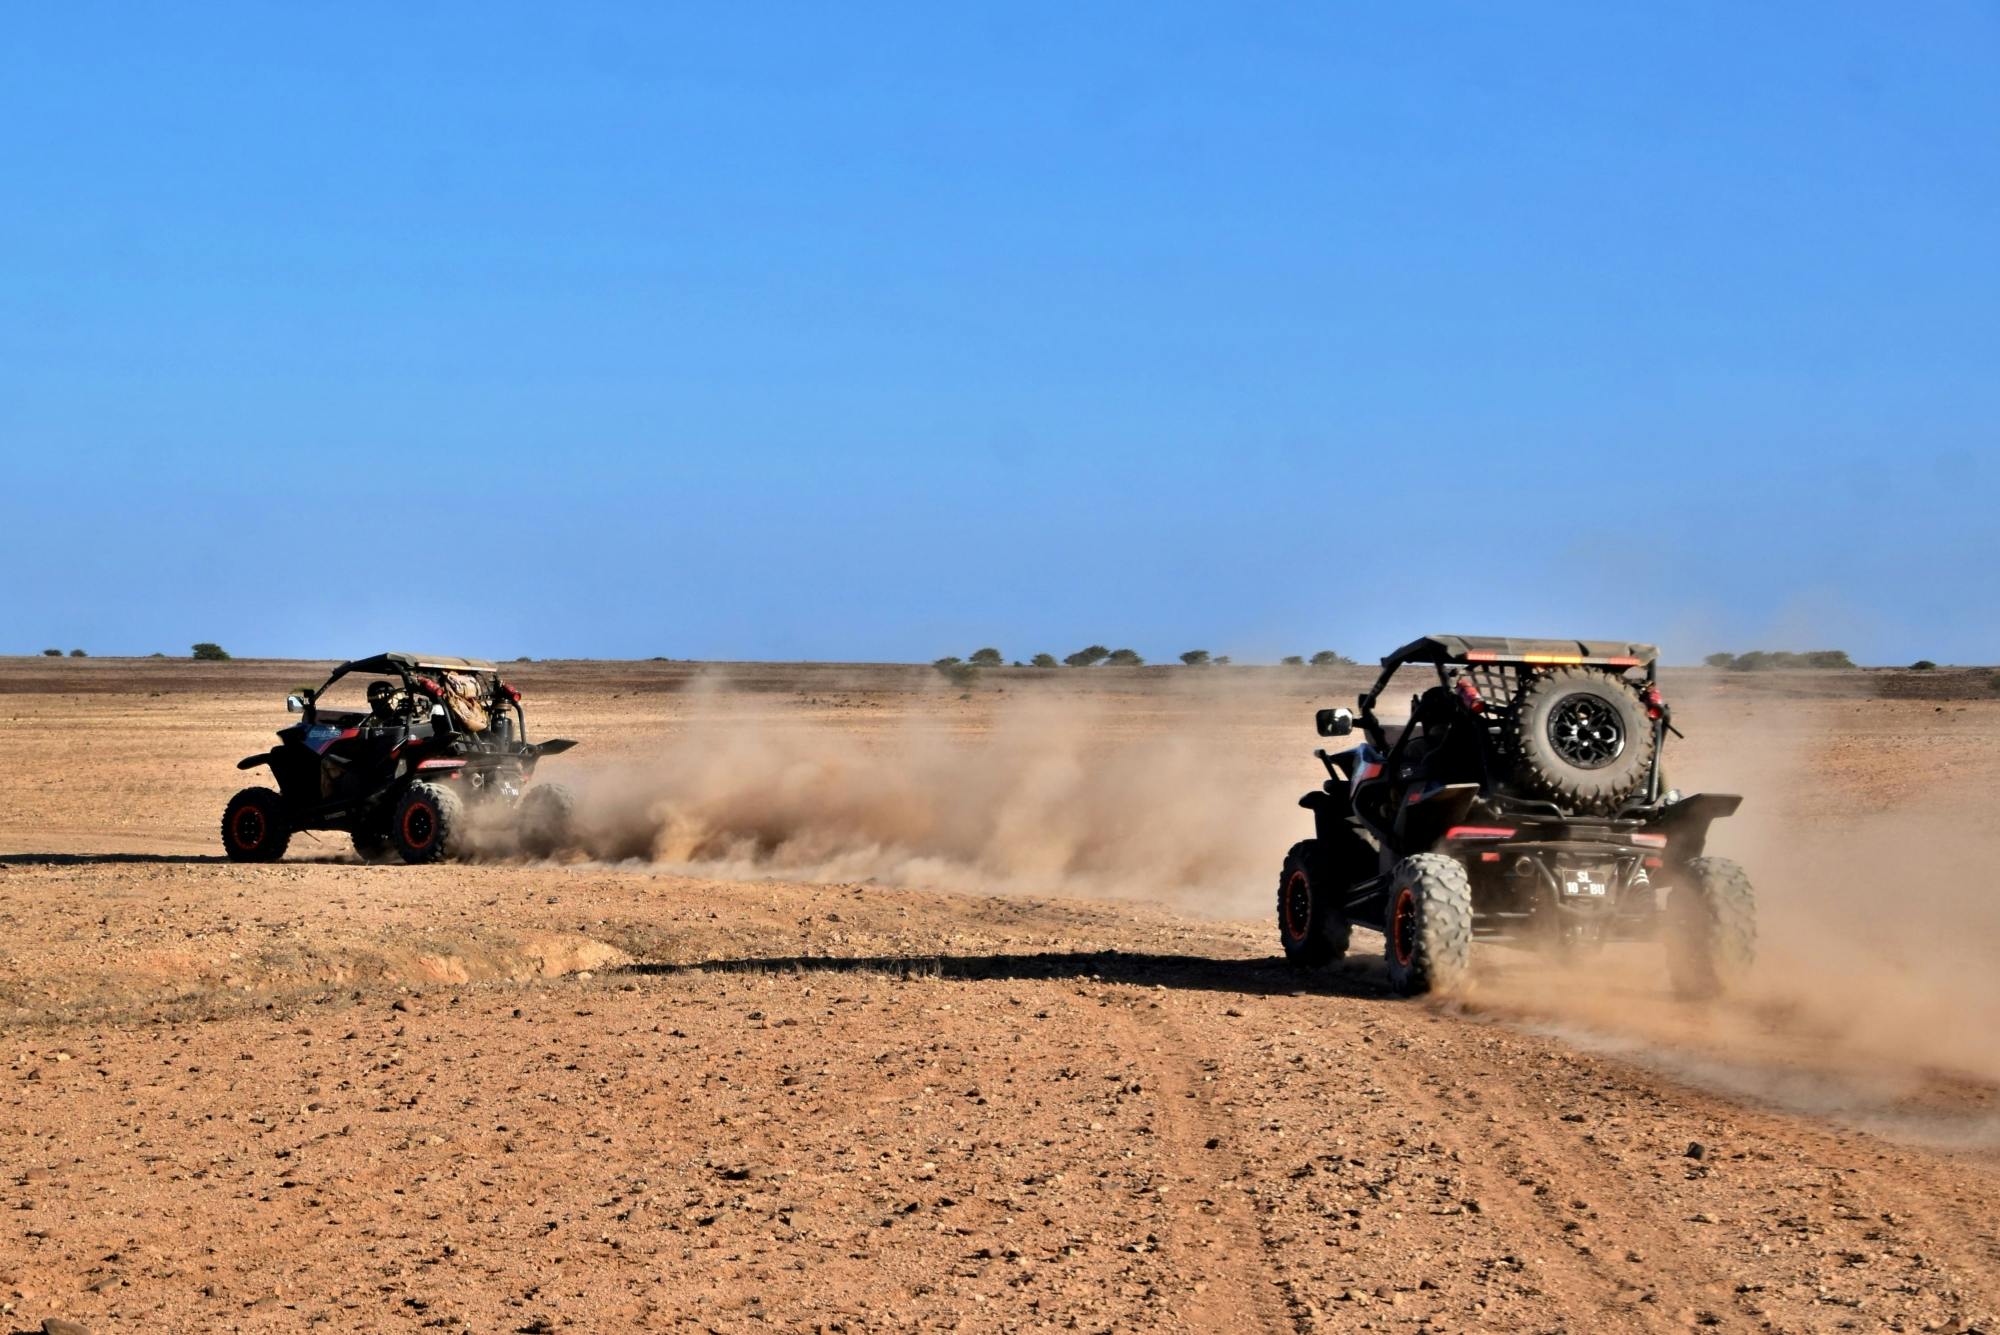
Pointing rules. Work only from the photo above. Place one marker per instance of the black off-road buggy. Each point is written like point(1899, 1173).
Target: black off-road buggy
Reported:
point(1523, 801)
point(396, 750)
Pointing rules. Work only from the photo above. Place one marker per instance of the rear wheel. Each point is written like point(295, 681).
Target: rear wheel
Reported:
point(429, 824)
point(1711, 936)
point(254, 826)
point(1427, 932)
point(547, 818)
point(1311, 925)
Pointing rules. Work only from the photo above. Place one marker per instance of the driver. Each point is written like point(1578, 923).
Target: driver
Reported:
point(383, 701)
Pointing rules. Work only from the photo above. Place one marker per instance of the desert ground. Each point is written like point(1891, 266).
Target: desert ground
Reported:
point(874, 1003)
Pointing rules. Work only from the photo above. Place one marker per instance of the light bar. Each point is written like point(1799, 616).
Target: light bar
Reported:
point(1478, 832)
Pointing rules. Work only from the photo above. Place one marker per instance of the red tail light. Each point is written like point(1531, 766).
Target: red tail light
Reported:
point(1478, 832)
point(1469, 695)
point(430, 688)
point(1656, 706)
point(510, 693)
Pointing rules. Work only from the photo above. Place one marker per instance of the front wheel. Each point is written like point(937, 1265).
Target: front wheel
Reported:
point(1311, 924)
point(255, 827)
point(1428, 929)
point(1711, 928)
point(430, 823)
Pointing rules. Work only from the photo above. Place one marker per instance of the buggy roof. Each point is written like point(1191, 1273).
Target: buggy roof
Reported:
point(396, 662)
point(1505, 649)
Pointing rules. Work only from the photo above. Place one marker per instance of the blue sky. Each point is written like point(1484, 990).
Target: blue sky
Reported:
point(881, 333)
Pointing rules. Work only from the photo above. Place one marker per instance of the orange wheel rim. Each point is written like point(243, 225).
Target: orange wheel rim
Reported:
point(1402, 927)
point(1298, 905)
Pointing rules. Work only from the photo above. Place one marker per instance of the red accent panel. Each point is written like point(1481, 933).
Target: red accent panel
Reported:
point(1479, 832)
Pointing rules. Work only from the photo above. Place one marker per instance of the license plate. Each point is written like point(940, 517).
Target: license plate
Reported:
point(1582, 883)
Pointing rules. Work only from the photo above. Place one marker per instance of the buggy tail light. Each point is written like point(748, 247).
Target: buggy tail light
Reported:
point(1656, 705)
point(430, 688)
point(1469, 695)
point(1650, 840)
point(1479, 832)
point(510, 693)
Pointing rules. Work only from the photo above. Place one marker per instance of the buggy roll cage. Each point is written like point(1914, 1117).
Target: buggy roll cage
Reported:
point(407, 666)
point(1491, 668)
point(1443, 651)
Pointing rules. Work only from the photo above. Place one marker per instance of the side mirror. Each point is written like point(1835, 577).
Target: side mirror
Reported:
point(294, 705)
point(1334, 722)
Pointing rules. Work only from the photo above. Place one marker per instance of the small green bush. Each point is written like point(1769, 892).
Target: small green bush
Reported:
point(1328, 658)
point(1043, 661)
point(1123, 658)
point(78, 653)
point(1292, 660)
point(1922, 665)
point(1195, 658)
point(986, 658)
point(208, 652)
point(51, 653)
point(1088, 657)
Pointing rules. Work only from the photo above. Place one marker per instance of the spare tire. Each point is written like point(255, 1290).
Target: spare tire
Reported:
point(1582, 738)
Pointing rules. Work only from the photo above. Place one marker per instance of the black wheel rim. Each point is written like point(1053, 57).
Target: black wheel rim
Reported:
point(417, 826)
point(249, 827)
point(1586, 731)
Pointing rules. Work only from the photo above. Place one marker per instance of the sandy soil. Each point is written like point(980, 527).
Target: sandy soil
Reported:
point(1014, 1062)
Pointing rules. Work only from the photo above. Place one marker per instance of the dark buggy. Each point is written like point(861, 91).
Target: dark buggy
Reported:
point(1523, 801)
point(397, 750)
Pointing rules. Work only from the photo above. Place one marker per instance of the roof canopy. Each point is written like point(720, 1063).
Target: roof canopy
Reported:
point(396, 662)
point(1503, 649)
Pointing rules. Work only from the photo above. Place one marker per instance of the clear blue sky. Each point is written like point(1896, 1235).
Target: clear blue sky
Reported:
point(854, 332)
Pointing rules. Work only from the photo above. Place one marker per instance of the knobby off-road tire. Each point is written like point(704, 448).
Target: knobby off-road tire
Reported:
point(547, 819)
point(1312, 925)
point(254, 826)
point(429, 824)
point(1583, 739)
point(1427, 931)
point(1711, 935)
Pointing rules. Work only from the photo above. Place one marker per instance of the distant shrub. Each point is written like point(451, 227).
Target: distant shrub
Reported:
point(956, 672)
point(1043, 661)
point(1195, 658)
point(985, 658)
point(1922, 665)
point(211, 653)
point(946, 664)
point(1089, 657)
point(1292, 660)
point(1328, 658)
point(1223, 660)
point(1758, 660)
point(156, 654)
point(524, 659)
point(51, 653)
point(1993, 682)
point(78, 653)
point(1123, 658)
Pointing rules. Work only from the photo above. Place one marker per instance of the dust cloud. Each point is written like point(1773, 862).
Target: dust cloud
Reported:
point(1052, 794)
point(1874, 1001)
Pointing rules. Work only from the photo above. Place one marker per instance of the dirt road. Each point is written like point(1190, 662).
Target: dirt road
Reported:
point(616, 1096)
